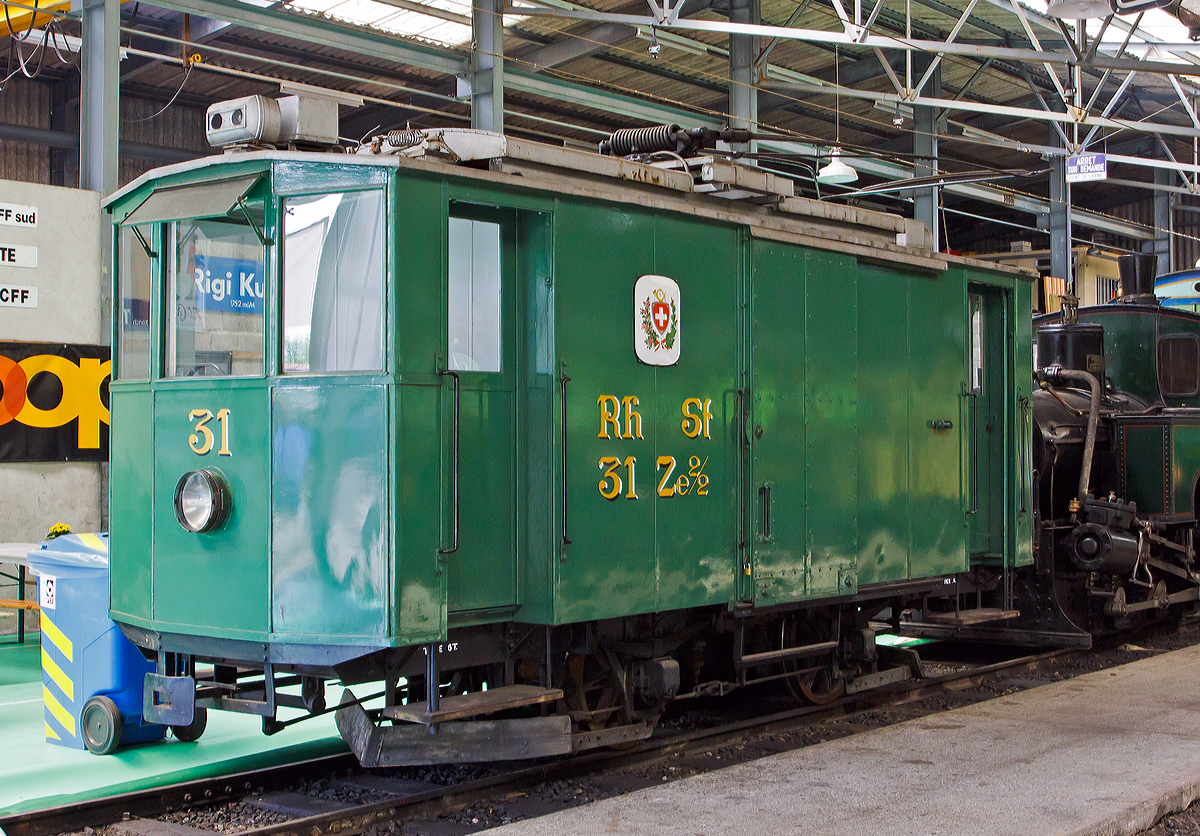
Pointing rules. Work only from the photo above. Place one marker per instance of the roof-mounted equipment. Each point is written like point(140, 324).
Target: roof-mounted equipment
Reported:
point(628, 142)
point(296, 122)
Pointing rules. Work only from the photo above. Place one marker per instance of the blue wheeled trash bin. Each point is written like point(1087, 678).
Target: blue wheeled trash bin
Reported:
point(91, 674)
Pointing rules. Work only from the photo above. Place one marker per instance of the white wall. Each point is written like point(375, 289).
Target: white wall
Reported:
point(71, 308)
point(67, 275)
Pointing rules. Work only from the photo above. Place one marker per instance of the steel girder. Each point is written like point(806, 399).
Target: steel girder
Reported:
point(314, 29)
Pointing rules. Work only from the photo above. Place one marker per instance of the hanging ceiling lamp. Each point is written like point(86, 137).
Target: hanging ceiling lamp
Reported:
point(836, 172)
point(1079, 9)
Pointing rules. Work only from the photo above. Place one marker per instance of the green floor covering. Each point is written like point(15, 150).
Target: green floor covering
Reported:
point(36, 774)
point(20, 662)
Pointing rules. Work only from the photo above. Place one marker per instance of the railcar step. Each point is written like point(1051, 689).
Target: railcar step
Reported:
point(965, 618)
point(473, 704)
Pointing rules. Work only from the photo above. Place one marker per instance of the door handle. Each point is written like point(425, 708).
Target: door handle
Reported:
point(940, 424)
point(974, 396)
point(454, 548)
point(764, 493)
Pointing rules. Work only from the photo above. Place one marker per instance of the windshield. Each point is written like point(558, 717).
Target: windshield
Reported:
point(216, 284)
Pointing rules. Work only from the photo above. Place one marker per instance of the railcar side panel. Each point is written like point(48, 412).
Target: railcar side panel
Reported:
point(131, 477)
point(694, 406)
point(423, 408)
point(776, 425)
point(330, 531)
point(609, 567)
point(539, 527)
point(884, 364)
point(831, 404)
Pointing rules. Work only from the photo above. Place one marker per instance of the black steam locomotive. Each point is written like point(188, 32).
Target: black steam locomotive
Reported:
point(1116, 462)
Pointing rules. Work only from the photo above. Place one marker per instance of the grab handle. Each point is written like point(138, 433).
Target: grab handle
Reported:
point(566, 540)
point(974, 396)
point(454, 548)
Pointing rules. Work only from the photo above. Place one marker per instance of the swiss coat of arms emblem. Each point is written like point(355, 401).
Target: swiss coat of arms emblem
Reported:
point(656, 320)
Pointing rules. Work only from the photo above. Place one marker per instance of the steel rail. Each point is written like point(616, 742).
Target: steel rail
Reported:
point(223, 789)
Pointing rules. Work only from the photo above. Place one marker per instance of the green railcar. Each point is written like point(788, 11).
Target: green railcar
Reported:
point(505, 425)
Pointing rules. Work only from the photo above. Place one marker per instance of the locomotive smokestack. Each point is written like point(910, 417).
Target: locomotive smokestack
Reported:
point(1137, 271)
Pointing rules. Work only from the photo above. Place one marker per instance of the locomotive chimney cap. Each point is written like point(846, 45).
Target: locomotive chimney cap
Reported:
point(1137, 272)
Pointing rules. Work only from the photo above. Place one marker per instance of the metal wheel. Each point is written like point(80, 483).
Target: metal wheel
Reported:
point(192, 731)
point(820, 687)
point(593, 696)
point(101, 725)
point(816, 685)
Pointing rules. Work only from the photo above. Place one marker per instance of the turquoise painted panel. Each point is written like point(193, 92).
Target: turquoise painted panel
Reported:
point(131, 484)
point(884, 512)
point(330, 545)
point(217, 582)
point(422, 409)
point(420, 592)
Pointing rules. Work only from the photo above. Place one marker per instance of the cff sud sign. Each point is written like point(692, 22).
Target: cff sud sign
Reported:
point(1084, 168)
point(227, 284)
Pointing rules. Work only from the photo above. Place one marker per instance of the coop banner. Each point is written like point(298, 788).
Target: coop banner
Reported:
point(53, 402)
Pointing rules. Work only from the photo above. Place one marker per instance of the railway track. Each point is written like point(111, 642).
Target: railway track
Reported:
point(439, 799)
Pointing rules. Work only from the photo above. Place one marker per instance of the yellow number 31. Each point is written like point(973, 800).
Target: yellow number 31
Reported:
point(202, 440)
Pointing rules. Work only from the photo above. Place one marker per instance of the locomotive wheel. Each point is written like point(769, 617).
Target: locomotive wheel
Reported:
point(592, 694)
point(819, 686)
point(101, 725)
point(192, 731)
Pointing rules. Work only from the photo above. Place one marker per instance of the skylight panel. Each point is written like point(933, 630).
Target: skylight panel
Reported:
point(388, 18)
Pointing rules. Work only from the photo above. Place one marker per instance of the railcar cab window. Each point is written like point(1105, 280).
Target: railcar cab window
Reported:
point(975, 386)
point(474, 296)
point(217, 287)
point(1179, 366)
point(137, 266)
point(333, 282)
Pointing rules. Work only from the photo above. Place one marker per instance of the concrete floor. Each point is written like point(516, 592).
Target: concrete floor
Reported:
point(1104, 753)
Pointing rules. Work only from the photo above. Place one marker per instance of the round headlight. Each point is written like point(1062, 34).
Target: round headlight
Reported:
point(202, 501)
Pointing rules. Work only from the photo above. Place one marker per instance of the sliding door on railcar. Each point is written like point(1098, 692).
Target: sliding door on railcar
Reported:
point(988, 430)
